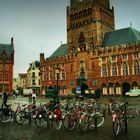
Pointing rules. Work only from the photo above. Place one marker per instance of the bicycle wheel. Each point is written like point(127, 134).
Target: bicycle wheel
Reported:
point(5, 117)
point(138, 110)
point(69, 122)
point(41, 121)
point(116, 127)
point(99, 119)
point(20, 117)
point(56, 124)
point(83, 122)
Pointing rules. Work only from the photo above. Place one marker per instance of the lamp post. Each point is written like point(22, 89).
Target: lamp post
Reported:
point(57, 86)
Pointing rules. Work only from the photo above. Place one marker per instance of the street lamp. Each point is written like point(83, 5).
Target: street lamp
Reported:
point(57, 86)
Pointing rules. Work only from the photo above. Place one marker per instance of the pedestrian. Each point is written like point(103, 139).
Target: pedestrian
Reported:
point(4, 98)
point(30, 97)
point(14, 94)
point(34, 97)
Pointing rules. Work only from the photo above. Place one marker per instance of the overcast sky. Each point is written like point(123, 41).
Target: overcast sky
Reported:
point(40, 26)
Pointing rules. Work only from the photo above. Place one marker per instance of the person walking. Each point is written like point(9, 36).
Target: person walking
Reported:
point(34, 97)
point(4, 98)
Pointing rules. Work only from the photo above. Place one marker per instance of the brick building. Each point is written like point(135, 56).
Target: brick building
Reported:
point(6, 66)
point(95, 52)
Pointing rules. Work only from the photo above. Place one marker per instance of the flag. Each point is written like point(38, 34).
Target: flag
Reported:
point(100, 62)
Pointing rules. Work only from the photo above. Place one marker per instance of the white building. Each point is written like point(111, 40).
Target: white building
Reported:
point(33, 76)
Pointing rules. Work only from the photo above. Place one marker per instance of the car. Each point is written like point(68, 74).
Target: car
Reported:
point(78, 90)
point(133, 93)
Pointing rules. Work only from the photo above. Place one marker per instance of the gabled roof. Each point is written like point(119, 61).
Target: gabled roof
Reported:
point(60, 51)
point(121, 36)
point(8, 48)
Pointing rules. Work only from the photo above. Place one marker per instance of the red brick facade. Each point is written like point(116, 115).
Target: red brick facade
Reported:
point(6, 67)
point(114, 69)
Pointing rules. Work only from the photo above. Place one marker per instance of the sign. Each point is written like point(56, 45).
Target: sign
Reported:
point(72, 83)
point(95, 83)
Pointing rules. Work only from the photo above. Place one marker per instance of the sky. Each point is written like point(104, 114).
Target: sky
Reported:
point(39, 26)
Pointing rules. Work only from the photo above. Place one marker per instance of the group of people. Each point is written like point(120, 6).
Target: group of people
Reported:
point(5, 98)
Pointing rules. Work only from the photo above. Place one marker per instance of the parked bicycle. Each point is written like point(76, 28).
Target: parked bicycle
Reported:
point(120, 119)
point(26, 112)
point(73, 111)
point(92, 118)
point(6, 113)
point(47, 116)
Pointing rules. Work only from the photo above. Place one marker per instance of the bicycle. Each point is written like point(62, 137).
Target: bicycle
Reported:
point(6, 113)
point(25, 113)
point(93, 118)
point(49, 117)
point(73, 112)
point(120, 119)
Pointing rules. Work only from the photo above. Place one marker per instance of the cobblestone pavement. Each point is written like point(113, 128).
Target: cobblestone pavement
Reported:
point(12, 131)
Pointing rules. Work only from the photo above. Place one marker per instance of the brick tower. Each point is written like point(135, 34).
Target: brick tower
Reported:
point(87, 22)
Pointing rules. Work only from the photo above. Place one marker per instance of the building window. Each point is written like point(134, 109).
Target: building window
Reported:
point(6, 67)
point(33, 82)
point(51, 76)
point(6, 77)
point(136, 68)
point(104, 90)
point(33, 74)
point(124, 57)
point(136, 55)
point(114, 58)
point(114, 69)
point(104, 71)
point(63, 76)
point(57, 76)
point(104, 59)
point(50, 67)
point(125, 68)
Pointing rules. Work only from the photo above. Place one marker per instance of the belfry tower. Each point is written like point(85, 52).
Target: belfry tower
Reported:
point(87, 22)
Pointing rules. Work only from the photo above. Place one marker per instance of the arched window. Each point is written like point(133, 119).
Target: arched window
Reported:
point(104, 71)
point(117, 89)
point(114, 69)
point(125, 69)
point(104, 89)
point(136, 68)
